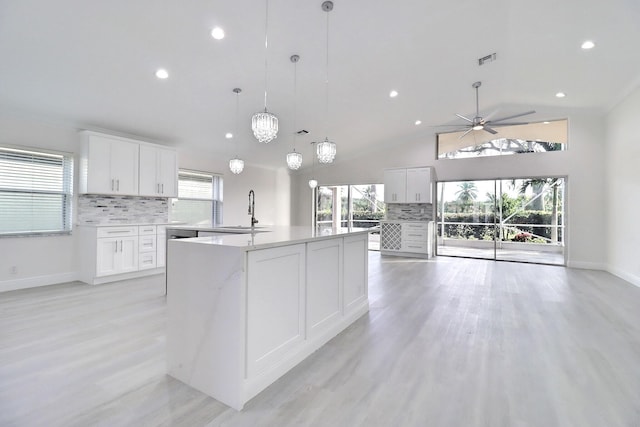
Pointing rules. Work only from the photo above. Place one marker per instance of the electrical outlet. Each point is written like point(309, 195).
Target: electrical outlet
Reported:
point(14, 269)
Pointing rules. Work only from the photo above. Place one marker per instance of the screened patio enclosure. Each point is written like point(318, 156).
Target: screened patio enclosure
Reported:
point(519, 219)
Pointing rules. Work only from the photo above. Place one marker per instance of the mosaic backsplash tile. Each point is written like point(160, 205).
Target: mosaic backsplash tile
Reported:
point(105, 210)
point(409, 212)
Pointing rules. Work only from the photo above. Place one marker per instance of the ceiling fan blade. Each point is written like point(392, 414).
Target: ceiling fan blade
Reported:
point(464, 118)
point(465, 134)
point(488, 129)
point(513, 117)
point(508, 124)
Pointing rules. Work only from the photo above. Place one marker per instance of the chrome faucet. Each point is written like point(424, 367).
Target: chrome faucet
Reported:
point(252, 208)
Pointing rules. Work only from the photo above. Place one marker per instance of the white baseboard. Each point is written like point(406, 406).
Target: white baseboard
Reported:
point(587, 265)
point(34, 282)
point(624, 275)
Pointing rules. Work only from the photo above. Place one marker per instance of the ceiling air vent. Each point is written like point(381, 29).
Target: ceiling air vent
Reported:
point(487, 59)
point(302, 132)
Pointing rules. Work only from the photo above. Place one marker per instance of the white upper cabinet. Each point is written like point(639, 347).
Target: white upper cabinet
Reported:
point(158, 171)
point(395, 185)
point(108, 165)
point(419, 185)
point(412, 185)
point(114, 165)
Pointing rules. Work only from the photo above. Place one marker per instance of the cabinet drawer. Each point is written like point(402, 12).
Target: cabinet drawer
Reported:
point(117, 231)
point(417, 247)
point(144, 230)
point(147, 243)
point(414, 226)
point(411, 235)
point(147, 260)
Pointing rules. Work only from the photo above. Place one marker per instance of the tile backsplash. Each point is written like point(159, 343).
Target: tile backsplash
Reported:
point(105, 210)
point(409, 212)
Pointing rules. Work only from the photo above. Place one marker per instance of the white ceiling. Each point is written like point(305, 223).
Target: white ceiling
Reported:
point(91, 64)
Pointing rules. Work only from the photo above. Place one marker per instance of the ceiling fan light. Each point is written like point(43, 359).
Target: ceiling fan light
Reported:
point(478, 127)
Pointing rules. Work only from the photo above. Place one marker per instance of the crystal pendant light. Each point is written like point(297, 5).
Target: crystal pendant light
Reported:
point(313, 183)
point(236, 165)
point(294, 159)
point(326, 150)
point(264, 124)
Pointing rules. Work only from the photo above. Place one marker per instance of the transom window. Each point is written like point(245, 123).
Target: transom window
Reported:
point(515, 139)
point(36, 190)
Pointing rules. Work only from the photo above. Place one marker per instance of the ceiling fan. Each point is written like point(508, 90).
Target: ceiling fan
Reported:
point(480, 123)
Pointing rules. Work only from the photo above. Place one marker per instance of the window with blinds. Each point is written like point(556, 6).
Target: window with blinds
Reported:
point(199, 199)
point(36, 190)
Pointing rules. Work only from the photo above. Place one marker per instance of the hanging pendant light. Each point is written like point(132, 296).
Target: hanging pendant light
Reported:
point(264, 124)
point(326, 150)
point(313, 183)
point(236, 165)
point(294, 159)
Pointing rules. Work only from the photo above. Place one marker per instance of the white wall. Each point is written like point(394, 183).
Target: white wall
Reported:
point(49, 260)
point(623, 189)
point(583, 164)
point(39, 260)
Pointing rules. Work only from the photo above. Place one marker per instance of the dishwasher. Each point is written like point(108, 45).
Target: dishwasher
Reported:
point(174, 233)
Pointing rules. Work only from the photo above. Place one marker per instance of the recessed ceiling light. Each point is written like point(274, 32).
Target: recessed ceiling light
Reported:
point(161, 73)
point(418, 122)
point(393, 93)
point(217, 33)
point(228, 135)
point(560, 95)
point(588, 45)
point(545, 123)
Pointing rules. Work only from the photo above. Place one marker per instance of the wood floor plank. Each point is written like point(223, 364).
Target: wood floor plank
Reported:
point(447, 342)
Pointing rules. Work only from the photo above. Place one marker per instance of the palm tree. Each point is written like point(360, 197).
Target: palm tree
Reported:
point(537, 203)
point(467, 193)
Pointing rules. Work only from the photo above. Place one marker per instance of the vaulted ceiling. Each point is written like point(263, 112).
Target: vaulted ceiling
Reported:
point(91, 64)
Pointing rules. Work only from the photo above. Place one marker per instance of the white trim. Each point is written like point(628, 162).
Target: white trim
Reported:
point(585, 265)
point(36, 281)
point(631, 278)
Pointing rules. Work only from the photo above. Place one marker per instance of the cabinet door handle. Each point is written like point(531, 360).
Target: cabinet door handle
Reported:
point(162, 188)
point(116, 248)
point(112, 185)
point(117, 185)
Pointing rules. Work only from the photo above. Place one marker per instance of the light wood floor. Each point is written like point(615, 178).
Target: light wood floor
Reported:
point(448, 342)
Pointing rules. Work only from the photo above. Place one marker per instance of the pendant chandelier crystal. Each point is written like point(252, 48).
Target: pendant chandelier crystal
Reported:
point(326, 150)
point(313, 183)
point(264, 124)
point(294, 159)
point(236, 165)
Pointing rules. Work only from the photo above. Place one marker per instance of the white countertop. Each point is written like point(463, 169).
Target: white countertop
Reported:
point(131, 224)
point(266, 237)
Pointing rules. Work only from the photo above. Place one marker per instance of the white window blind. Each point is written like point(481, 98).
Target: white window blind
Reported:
point(36, 190)
point(199, 198)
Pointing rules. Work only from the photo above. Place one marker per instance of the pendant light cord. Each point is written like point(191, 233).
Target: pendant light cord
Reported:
point(295, 102)
point(237, 114)
point(326, 82)
point(266, 47)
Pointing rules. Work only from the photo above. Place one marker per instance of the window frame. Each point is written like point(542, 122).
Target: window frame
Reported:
point(216, 199)
point(67, 184)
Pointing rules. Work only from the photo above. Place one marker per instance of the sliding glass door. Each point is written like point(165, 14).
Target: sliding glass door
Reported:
point(513, 220)
point(351, 206)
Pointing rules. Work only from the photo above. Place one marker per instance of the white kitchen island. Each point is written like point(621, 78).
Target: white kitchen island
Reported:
point(243, 309)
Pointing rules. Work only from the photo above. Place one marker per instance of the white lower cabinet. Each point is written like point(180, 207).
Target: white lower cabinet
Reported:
point(110, 253)
point(355, 271)
point(324, 284)
point(406, 238)
point(275, 305)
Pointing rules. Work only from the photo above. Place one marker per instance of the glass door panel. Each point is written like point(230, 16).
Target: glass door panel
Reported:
point(511, 220)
